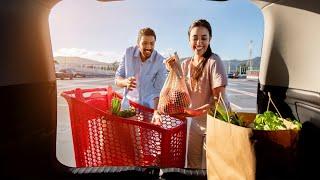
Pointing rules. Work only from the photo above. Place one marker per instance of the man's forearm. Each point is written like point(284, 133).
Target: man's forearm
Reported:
point(120, 82)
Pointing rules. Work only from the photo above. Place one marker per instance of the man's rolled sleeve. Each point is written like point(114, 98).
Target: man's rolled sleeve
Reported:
point(121, 69)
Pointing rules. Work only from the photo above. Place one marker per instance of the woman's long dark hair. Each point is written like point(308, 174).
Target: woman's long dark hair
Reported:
point(196, 74)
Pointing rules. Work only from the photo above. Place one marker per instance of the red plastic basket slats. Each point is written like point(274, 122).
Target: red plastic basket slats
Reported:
point(103, 139)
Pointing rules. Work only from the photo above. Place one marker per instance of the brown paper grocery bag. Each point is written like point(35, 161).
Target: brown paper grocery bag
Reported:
point(235, 152)
point(276, 151)
point(230, 152)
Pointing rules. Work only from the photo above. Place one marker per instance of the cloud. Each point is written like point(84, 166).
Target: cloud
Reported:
point(102, 56)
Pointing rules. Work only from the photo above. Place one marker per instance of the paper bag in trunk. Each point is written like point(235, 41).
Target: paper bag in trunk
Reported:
point(235, 152)
point(230, 151)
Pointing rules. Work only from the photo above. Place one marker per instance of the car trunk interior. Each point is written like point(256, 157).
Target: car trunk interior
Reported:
point(289, 70)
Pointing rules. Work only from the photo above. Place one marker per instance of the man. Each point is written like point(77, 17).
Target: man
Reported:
point(142, 71)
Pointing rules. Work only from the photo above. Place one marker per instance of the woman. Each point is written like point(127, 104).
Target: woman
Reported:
point(205, 79)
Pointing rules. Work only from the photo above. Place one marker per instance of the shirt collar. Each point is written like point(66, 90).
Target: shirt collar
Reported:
point(137, 54)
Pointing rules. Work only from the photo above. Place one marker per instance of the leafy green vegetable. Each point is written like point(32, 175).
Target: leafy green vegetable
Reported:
point(297, 124)
point(115, 105)
point(271, 121)
point(127, 113)
point(223, 115)
point(115, 108)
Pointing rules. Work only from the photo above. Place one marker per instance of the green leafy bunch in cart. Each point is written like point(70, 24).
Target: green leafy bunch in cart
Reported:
point(116, 109)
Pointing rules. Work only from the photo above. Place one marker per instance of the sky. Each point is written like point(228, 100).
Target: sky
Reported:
point(102, 31)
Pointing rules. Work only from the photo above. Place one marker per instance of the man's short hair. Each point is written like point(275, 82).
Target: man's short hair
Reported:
point(146, 32)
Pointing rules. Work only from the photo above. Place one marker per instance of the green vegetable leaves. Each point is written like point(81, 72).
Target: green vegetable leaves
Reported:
point(127, 113)
point(266, 121)
point(115, 109)
point(271, 121)
point(115, 105)
point(223, 115)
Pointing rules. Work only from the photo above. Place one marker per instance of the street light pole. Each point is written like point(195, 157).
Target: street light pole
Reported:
point(250, 54)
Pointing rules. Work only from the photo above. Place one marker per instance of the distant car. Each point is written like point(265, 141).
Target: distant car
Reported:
point(79, 74)
point(65, 73)
point(233, 75)
point(242, 76)
point(230, 75)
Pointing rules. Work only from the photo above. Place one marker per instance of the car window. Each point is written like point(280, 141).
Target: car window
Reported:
point(101, 56)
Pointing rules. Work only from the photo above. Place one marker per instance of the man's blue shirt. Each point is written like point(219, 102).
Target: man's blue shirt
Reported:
point(150, 75)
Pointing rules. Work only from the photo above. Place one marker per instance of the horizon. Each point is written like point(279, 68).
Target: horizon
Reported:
point(180, 58)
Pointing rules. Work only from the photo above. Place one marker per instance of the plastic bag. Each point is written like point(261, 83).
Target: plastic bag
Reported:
point(174, 96)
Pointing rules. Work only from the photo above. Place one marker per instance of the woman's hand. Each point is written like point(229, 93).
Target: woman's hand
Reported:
point(193, 112)
point(156, 118)
point(170, 62)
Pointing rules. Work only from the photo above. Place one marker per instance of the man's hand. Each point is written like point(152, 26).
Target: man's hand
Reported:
point(156, 118)
point(130, 83)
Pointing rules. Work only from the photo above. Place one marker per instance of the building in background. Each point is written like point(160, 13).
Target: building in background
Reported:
point(85, 66)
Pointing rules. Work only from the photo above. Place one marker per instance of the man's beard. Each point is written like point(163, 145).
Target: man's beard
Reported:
point(147, 52)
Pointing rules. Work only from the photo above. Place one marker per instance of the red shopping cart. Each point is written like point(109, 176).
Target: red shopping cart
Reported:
point(103, 139)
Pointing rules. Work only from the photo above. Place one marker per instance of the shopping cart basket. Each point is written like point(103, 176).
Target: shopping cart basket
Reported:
point(103, 139)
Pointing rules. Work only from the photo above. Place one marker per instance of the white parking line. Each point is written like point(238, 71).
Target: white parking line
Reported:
point(76, 85)
point(119, 91)
point(241, 84)
point(236, 106)
point(236, 94)
point(242, 92)
point(240, 108)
